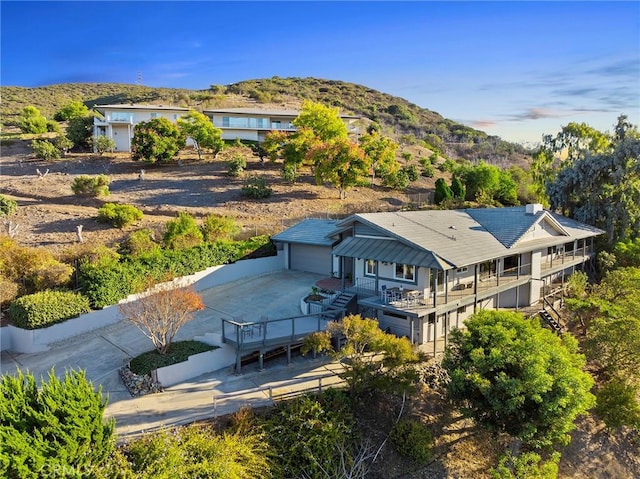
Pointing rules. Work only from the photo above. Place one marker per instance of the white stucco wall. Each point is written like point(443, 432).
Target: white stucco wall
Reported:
point(35, 340)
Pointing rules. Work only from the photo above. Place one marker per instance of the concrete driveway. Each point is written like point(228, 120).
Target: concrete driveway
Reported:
point(101, 353)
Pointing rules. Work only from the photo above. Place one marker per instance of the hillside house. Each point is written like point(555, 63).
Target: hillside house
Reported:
point(421, 273)
point(118, 120)
point(254, 124)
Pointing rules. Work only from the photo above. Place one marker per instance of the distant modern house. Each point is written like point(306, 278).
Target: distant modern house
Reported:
point(249, 124)
point(118, 120)
point(421, 273)
point(254, 124)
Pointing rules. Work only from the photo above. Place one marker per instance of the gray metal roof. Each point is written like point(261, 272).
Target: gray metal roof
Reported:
point(391, 251)
point(508, 225)
point(126, 106)
point(255, 111)
point(268, 112)
point(309, 231)
point(464, 237)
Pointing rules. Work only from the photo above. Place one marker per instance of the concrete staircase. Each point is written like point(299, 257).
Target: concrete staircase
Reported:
point(343, 302)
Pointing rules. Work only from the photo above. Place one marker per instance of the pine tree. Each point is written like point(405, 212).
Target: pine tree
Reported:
point(443, 192)
point(55, 431)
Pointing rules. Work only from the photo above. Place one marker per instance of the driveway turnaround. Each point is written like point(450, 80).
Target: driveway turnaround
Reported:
point(101, 353)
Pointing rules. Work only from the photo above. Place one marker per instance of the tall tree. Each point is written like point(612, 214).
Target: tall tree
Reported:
point(201, 130)
point(157, 140)
point(340, 162)
point(381, 151)
point(511, 375)
point(324, 121)
point(443, 192)
point(32, 121)
point(71, 110)
point(457, 190)
point(572, 143)
point(55, 430)
point(603, 188)
point(162, 313)
point(375, 361)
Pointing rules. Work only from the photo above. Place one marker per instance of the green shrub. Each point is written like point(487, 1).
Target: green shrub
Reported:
point(7, 206)
point(217, 227)
point(119, 216)
point(52, 428)
point(397, 180)
point(256, 188)
point(53, 126)
point(309, 432)
point(237, 165)
point(183, 232)
point(527, 465)
point(85, 185)
point(411, 171)
point(140, 242)
point(103, 144)
point(197, 451)
point(412, 439)
point(618, 404)
point(107, 283)
point(45, 150)
point(45, 308)
point(179, 352)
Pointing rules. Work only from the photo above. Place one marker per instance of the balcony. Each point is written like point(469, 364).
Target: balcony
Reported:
point(419, 303)
point(560, 260)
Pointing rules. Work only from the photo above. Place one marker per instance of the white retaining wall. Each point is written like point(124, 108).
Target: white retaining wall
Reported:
point(36, 340)
point(196, 365)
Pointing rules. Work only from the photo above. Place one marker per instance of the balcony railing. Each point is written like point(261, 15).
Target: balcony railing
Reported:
point(410, 299)
point(556, 260)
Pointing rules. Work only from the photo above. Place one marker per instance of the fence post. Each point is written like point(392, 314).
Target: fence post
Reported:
point(320, 385)
point(271, 393)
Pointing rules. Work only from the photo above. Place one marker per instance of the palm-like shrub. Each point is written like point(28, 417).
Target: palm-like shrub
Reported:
point(85, 185)
point(119, 216)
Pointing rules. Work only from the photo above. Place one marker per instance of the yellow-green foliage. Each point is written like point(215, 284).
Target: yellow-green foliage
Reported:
point(119, 216)
point(198, 451)
point(216, 227)
point(85, 185)
point(32, 269)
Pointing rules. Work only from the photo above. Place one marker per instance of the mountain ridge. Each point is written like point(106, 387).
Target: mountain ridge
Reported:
point(399, 118)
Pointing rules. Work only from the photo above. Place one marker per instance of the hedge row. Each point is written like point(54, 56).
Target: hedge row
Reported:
point(106, 284)
point(45, 308)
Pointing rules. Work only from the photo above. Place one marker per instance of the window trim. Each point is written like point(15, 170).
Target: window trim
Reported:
point(367, 262)
point(405, 269)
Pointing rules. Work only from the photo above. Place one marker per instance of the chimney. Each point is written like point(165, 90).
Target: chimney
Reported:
point(533, 208)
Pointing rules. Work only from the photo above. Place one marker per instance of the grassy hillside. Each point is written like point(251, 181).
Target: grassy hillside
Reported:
point(399, 118)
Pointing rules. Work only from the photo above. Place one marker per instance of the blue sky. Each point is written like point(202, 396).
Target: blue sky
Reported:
point(513, 69)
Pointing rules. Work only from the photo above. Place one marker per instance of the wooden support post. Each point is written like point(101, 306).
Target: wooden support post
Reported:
point(288, 354)
point(261, 359)
point(238, 362)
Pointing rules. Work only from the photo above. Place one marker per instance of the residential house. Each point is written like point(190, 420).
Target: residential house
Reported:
point(117, 121)
point(421, 273)
point(253, 124)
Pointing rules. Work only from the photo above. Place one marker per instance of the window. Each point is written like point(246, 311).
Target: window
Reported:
point(462, 270)
point(370, 268)
point(510, 264)
point(462, 309)
point(405, 271)
point(156, 115)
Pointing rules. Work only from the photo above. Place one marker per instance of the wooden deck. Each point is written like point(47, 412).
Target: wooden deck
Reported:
point(262, 335)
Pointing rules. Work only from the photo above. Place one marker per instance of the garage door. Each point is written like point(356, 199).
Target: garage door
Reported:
point(311, 259)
